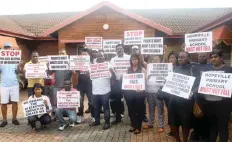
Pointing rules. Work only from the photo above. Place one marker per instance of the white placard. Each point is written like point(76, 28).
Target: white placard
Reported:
point(68, 99)
point(100, 70)
point(33, 106)
point(133, 37)
point(120, 65)
point(43, 59)
point(198, 42)
point(81, 63)
point(58, 62)
point(109, 46)
point(159, 70)
point(36, 71)
point(134, 81)
point(10, 56)
point(152, 45)
point(93, 42)
point(179, 85)
point(216, 84)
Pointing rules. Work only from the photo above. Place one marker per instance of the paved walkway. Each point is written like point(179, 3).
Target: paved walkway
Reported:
point(79, 133)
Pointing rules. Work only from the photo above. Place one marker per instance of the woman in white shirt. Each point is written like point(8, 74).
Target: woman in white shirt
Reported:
point(44, 118)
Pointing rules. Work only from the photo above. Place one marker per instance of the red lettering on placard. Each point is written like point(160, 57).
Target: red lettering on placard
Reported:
point(9, 53)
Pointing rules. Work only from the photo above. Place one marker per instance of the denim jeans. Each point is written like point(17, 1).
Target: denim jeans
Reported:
point(64, 112)
point(44, 120)
point(99, 101)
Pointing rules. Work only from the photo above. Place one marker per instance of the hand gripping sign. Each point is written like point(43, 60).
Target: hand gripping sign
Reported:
point(133, 37)
point(68, 99)
point(198, 42)
point(10, 56)
point(134, 81)
point(216, 84)
point(34, 106)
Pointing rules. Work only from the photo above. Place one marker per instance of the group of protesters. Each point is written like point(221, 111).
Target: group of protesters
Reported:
point(106, 95)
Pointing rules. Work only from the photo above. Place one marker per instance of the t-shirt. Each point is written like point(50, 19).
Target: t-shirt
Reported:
point(84, 81)
point(45, 98)
point(8, 75)
point(119, 74)
point(32, 81)
point(61, 76)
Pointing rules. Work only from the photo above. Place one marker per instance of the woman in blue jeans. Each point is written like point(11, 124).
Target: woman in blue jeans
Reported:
point(45, 118)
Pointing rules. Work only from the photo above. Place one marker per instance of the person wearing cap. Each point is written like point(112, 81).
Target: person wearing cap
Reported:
point(9, 89)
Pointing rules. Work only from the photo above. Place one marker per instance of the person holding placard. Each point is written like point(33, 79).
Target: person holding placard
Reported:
point(101, 89)
point(180, 110)
point(44, 118)
point(60, 77)
point(218, 109)
point(66, 112)
point(116, 96)
point(135, 99)
point(9, 89)
point(32, 81)
point(85, 87)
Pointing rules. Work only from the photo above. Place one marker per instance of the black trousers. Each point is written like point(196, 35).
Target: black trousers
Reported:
point(117, 106)
point(201, 127)
point(218, 114)
point(135, 102)
point(88, 92)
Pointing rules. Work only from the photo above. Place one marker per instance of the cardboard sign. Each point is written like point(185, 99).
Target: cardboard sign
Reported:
point(99, 71)
point(109, 46)
point(159, 70)
point(93, 42)
point(68, 99)
point(198, 42)
point(58, 62)
point(43, 59)
point(36, 71)
point(179, 85)
point(10, 56)
point(34, 106)
point(133, 37)
point(216, 84)
point(81, 63)
point(134, 81)
point(152, 45)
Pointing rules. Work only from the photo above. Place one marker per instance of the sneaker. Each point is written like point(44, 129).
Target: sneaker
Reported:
point(71, 125)
point(15, 122)
point(122, 115)
point(3, 124)
point(94, 124)
point(62, 127)
point(112, 115)
point(92, 119)
point(79, 119)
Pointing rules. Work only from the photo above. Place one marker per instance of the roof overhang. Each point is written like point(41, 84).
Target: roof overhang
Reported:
point(111, 6)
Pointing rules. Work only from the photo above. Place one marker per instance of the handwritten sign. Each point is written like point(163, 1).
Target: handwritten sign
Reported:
point(152, 45)
point(93, 42)
point(34, 106)
point(179, 85)
point(81, 63)
point(159, 70)
point(198, 42)
point(134, 81)
point(36, 71)
point(58, 62)
point(100, 70)
point(10, 56)
point(133, 37)
point(216, 84)
point(109, 46)
point(68, 99)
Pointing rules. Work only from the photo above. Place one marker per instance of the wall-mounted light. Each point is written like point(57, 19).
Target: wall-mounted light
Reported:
point(105, 26)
